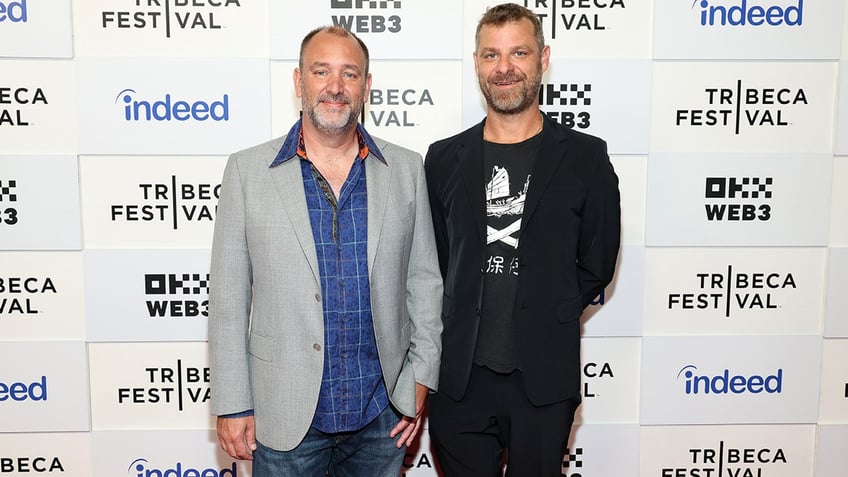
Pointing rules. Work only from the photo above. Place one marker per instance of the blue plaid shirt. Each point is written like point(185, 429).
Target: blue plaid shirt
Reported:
point(352, 389)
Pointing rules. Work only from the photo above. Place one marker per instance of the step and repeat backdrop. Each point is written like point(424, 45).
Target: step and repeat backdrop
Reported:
point(720, 350)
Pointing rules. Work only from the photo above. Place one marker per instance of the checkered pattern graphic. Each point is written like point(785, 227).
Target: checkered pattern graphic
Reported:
point(572, 461)
point(762, 187)
point(568, 94)
point(7, 191)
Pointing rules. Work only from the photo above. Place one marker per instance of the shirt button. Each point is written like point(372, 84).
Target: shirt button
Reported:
point(316, 347)
point(318, 297)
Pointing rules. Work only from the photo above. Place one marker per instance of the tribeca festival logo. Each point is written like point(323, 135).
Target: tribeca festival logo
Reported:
point(724, 383)
point(593, 373)
point(738, 199)
point(733, 291)
point(177, 295)
point(572, 461)
point(178, 386)
point(170, 202)
point(734, 13)
point(567, 103)
point(424, 461)
point(392, 107)
point(168, 16)
point(14, 101)
point(143, 468)
point(15, 12)
point(168, 109)
point(740, 107)
point(8, 213)
point(572, 15)
point(17, 294)
point(37, 464)
point(362, 18)
point(730, 461)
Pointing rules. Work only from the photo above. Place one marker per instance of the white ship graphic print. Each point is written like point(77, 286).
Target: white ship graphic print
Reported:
point(500, 203)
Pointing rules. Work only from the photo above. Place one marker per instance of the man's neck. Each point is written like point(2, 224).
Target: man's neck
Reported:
point(512, 128)
point(324, 147)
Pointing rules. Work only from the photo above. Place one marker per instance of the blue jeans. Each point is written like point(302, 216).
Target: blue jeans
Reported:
point(366, 452)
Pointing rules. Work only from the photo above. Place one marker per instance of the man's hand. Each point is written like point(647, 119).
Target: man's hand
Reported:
point(237, 436)
point(408, 427)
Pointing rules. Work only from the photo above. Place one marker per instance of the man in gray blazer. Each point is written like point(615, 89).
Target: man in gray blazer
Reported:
point(325, 299)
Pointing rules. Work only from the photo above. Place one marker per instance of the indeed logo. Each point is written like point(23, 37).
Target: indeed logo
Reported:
point(36, 391)
point(724, 383)
point(142, 469)
point(167, 109)
point(15, 12)
point(754, 15)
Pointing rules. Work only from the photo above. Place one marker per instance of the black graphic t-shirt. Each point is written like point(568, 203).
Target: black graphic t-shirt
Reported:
point(508, 169)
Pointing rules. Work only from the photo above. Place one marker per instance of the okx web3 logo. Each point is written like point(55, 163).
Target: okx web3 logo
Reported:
point(168, 108)
point(739, 13)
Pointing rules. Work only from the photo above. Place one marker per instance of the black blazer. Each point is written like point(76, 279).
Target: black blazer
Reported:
point(567, 253)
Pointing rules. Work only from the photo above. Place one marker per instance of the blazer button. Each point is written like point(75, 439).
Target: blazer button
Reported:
point(318, 297)
point(316, 346)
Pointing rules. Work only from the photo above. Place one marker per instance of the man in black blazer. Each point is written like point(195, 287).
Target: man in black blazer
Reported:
point(527, 221)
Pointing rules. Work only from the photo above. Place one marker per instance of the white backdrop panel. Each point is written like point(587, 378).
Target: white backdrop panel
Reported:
point(41, 296)
point(171, 28)
point(46, 454)
point(393, 29)
point(839, 203)
point(27, 220)
point(150, 202)
point(147, 295)
point(149, 386)
point(35, 28)
point(163, 453)
point(830, 451)
point(747, 29)
point(199, 106)
point(836, 301)
point(842, 109)
point(43, 387)
point(730, 379)
point(610, 381)
point(833, 403)
point(620, 310)
point(599, 450)
point(743, 107)
point(738, 451)
point(722, 291)
point(38, 101)
point(757, 199)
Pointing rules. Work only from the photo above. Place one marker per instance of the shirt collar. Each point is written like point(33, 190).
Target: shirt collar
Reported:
point(293, 145)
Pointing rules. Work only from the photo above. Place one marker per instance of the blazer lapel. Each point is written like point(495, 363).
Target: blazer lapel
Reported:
point(551, 153)
point(288, 180)
point(470, 158)
point(377, 176)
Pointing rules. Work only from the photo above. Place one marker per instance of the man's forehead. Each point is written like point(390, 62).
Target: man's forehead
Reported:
point(325, 45)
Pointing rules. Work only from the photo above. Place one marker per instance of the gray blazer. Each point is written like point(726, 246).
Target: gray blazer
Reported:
point(266, 326)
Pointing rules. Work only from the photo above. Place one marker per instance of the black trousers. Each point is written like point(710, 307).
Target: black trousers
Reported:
point(494, 424)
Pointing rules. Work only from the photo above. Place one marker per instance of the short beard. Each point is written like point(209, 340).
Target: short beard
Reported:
point(524, 99)
point(331, 126)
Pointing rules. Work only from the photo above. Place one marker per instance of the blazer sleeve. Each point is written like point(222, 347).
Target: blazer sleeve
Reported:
point(597, 249)
point(424, 290)
point(230, 292)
